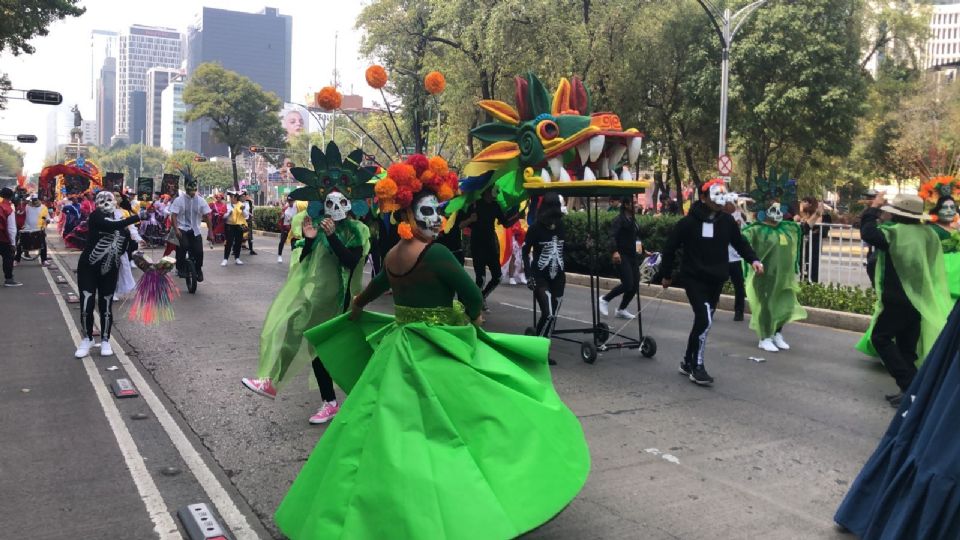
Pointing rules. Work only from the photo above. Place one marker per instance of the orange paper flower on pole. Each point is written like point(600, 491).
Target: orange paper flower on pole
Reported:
point(434, 82)
point(376, 77)
point(328, 98)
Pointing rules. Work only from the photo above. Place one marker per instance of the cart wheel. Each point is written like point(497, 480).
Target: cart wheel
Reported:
point(588, 351)
point(603, 332)
point(530, 331)
point(648, 347)
point(191, 277)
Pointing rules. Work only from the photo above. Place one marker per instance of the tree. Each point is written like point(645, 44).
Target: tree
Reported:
point(209, 174)
point(241, 113)
point(11, 161)
point(894, 29)
point(127, 160)
point(22, 20)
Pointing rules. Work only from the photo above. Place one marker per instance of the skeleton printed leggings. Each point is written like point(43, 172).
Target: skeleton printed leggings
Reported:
point(96, 288)
point(549, 295)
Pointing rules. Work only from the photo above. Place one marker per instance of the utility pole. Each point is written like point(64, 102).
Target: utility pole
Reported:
point(727, 25)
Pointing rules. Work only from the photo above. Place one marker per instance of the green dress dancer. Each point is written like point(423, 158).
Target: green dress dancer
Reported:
point(313, 293)
point(951, 258)
point(912, 249)
point(773, 295)
point(449, 431)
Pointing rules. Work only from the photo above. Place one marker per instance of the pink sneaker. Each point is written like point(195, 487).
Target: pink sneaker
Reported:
point(326, 413)
point(264, 387)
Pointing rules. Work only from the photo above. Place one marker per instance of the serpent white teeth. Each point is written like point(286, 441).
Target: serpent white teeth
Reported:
point(604, 170)
point(564, 175)
point(588, 174)
point(596, 147)
point(556, 165)
point(616, 152)
point(545, 176)
point(636, 144)
point(583, 150)
point(625, 174)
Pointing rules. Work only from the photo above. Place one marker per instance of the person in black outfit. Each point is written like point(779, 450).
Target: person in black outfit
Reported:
point(545, 274)
point(453, 240)
point(624, 234)
point(248, 200)
point(484, 246)
point(98, 269)
point(704, 235)
point(736, 263)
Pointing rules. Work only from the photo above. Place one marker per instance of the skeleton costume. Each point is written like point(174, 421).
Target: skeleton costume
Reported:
point(545, 272)
point(98, 269)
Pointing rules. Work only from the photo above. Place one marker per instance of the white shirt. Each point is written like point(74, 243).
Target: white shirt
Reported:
point(732, 255)
point(189, 211)
point(33, 215)
point(288, 215)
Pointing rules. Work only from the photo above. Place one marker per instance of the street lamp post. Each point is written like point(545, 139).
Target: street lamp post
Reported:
point(727, 25)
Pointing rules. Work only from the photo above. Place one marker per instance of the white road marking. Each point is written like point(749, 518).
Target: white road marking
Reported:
point(163, 523)
point(525, 308)
point(234, 518)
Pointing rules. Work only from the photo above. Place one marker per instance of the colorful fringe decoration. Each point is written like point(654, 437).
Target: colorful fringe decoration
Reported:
point(153, 298)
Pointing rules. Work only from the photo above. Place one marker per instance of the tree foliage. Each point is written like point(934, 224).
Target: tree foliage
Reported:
point(209, 174)
point(240, 112)
point(22, 20)
point(126, 160)
point(11, 160)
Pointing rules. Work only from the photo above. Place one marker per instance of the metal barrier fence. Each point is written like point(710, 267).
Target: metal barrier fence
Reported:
point(834, 253)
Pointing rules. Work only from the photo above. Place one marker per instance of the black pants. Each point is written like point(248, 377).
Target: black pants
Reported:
point(43, 249)
point(324, 381)
point(486, 254)
point(375, 258)
point(284, 233)
point(6, 251)
point(234, 241)
point(629, 270)
point(548, 294)
point(97, 289)
point(736, 278)
point(193, 242)
point(895, 336)
point(250, 237)
point(703, 298)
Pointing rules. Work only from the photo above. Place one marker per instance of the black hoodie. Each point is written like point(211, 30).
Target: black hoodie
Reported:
point(704, 240)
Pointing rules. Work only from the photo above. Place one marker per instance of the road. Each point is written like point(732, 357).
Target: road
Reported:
point(769, 451)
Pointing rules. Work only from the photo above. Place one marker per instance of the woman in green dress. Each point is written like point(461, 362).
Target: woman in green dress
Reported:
point(944, 217)
point(449, 431)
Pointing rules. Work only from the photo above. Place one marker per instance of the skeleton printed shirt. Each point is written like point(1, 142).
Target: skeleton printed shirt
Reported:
point(547, 247)
point(106, 241)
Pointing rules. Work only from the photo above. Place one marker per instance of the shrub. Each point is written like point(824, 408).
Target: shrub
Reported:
point(831, 296)
point(266, 218)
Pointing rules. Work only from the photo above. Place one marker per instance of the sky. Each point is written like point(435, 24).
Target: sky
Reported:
point(62, 58)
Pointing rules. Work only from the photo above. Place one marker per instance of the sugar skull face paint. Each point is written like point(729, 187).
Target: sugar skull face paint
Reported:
point(775, 213)
point(427, 215)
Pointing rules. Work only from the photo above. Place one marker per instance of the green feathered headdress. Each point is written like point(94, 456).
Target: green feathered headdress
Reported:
point(333, 173)
point(776, 186)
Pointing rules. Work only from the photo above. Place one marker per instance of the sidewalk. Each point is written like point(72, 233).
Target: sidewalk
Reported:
point(62, 473)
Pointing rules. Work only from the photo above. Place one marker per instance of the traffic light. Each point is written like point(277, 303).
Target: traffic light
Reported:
point(44, 97)
point(256, 149)
point(199, 159)
point(26, 138)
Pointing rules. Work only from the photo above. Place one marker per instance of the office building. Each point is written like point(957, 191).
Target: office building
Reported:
point(157, 80)
point(103, 45)
point(255, 45)
point(943, 46)
point(172, 126)
point(141, 48)
point(89, 132)
point(106, 101)
point(138, 118)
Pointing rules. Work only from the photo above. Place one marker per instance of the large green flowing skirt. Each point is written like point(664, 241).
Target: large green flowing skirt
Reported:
point(448, 432)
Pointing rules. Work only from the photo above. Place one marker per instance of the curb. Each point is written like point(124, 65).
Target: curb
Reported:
point(853, 322)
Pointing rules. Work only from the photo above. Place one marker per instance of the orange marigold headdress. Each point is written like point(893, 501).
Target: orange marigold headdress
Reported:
point(328, 98)
point(376, 77)
point(435, 82)
point(940, 186)
point(395, 191)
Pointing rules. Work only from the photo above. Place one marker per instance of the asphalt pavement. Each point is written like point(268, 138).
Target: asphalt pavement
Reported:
point(767, 452)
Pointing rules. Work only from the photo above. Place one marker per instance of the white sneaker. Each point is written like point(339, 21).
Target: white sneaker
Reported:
point(84, 348)
point(604, 310)
point(768, 345)
point(779, 342)
point(239, 262)
point(513, 281)
point(106, 349)
point(224, 263)
point(624, 314)
point(523, 279)
point(280, 259)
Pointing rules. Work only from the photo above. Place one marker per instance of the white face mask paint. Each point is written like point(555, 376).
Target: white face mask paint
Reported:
point(718, 194)
point(106, 202)
point(427, 216)
point(947, 213)
point(774, 213)
point(336, 206)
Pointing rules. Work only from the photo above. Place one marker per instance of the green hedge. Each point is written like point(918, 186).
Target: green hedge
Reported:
point(266, 218)
point(832, 297)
